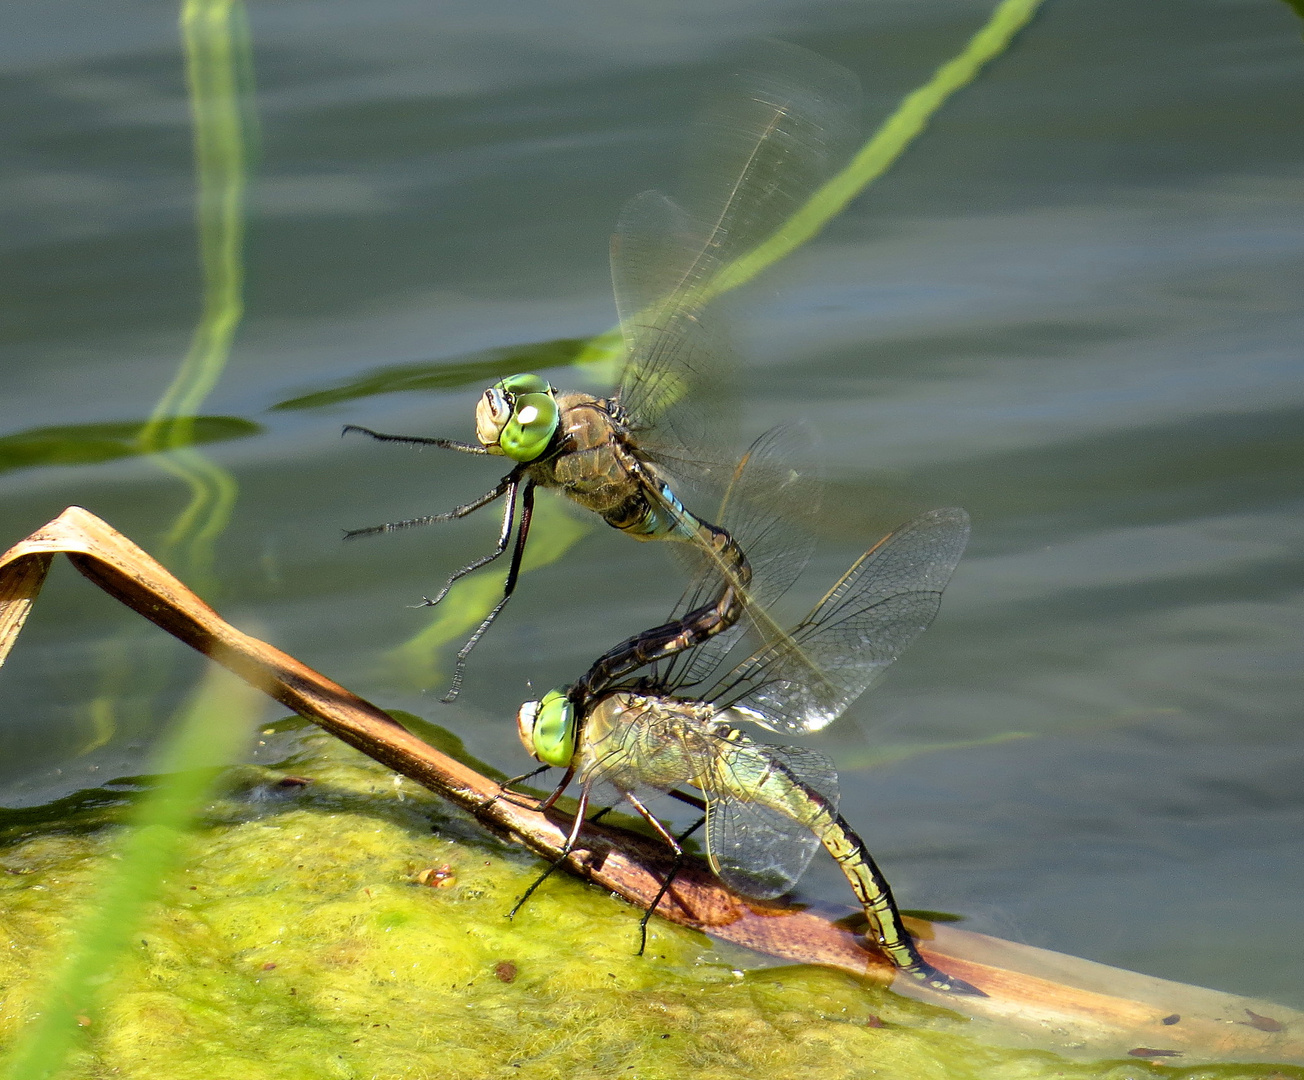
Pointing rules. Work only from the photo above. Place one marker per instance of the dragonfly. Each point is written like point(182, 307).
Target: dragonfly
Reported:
point(625, 456)
point(768, 807)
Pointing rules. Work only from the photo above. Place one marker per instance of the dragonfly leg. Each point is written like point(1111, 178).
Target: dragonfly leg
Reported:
point(452, 515)
point(513, 573)
point(698, 804)
point(524, 776)
point(692, 800)
point(676, 845)
point(417, 440)
point(547, 803)
point(657, 827)
point(572, 839)
point(512, 483)
point(562, 785)
point(598, 815)
point(512, 796)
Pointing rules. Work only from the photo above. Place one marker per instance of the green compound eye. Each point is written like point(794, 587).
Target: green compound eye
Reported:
point(524, 384)
point(534, 420)
point(554, 730)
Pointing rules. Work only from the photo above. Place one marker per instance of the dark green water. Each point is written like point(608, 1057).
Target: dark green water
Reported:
point(1074, 308)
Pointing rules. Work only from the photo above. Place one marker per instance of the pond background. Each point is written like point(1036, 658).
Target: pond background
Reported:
point(1073, 308)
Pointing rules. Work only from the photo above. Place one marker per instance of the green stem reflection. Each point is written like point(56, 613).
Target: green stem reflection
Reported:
point(218, 55)
point(218, 73)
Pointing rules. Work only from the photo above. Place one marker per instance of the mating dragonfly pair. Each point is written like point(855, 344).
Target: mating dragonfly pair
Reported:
point(768, 807)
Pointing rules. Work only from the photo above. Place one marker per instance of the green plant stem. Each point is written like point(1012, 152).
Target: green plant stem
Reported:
point(873, 159)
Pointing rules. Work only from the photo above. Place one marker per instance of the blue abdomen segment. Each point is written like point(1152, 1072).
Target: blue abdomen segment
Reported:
point(667, 521)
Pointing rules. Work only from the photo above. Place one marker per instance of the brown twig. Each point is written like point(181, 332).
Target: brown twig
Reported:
point(1071, 1003)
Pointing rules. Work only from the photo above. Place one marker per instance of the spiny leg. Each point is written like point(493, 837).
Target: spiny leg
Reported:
point(504, 534)
point(562, 785)
point(552, 798)
point(417, 440)
point(513, 573)
point(507, 482)
point(571, 840)
point(512, 796)
point(676, 845)
point(459, 665)
point(694, 801)
point(523, 777)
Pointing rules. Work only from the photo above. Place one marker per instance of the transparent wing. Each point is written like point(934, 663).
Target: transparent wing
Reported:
point(762, 800)
point(878, 607)
point(760, 154)
point(679, 368)
point(754, 846)
point(769, 507)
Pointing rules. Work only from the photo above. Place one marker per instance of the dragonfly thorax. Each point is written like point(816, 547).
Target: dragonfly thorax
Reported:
point(631, 740)
point(624, 707)
point(597, 465)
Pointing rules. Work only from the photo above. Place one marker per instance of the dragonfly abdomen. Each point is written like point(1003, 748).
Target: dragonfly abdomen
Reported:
point(769, 782)
point(664, 519)
point(885, 926)
point(867, 882)
point(762, 778)
point(716, 615)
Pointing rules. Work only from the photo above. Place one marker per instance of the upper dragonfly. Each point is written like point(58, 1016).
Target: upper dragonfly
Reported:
point(768, 808)
point(763, 153)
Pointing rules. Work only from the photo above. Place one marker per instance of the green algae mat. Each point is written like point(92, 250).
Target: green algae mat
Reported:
point(331, 920)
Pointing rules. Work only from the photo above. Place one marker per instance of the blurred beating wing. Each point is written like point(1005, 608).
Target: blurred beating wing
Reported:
point(763, 153)
point(759, 156)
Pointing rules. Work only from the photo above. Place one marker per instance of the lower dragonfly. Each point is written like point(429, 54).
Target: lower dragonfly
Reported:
point(768, 807)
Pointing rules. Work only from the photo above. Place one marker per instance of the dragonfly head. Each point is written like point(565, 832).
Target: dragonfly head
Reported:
point(547, 728)
point(517, 417)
